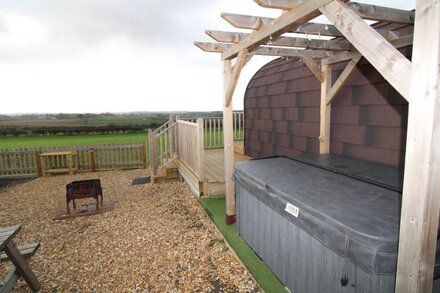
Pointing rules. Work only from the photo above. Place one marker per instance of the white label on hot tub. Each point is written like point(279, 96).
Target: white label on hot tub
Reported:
point(291, 209)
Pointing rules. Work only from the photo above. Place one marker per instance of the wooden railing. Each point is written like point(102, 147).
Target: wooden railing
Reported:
point(238, 124)
point(190, 148)
point(162, 146)
point(213, 127)
point(26, 163)
point(181, 139)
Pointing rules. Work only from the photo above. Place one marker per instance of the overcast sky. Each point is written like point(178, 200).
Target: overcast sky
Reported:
point(116, 56)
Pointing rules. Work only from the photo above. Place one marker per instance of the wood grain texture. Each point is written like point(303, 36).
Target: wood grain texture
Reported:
point(339, 83)
point(421, 201)
point(399, 42)
point(313, 66)
point(228, 141)
point(291, 19)
point(235, 75)
point(255, 22)
point(325, 111)
point(382, 14)
point(330, 45)
point(395, 67)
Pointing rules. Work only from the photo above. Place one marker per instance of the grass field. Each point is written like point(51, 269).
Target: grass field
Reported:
point(70, 140)
point(93, 139)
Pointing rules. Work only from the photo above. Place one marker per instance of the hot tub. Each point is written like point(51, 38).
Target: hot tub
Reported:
point(323, 223)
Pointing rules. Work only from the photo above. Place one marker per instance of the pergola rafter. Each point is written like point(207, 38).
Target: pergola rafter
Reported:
point(255, 22)
point(366, 11)
point(352, 39)
point(266, 50)
point(330, 45)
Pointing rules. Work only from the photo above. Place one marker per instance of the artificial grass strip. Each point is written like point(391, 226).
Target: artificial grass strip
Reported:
point(215, 207)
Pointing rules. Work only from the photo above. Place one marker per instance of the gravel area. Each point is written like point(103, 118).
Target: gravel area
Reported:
point(157, 239)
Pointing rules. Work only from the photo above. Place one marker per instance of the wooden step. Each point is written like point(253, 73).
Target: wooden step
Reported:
point(168, 174)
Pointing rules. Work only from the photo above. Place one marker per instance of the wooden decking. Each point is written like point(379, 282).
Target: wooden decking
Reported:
point(213, 183)
point(215, 171)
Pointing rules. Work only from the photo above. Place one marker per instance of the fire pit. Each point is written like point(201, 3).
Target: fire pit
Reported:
point(84, 189)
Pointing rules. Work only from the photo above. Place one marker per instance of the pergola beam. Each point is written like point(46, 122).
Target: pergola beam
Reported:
point(236, 70)
point(345, 74)
point(331, 45)
point(212, 47)
point(345, 56)
point(395, 67)
point(255, 22)
point(382, 14)
point(278, 4)
point(366, 11)
point(313, 67)
point(266, 50)
point(289, 20)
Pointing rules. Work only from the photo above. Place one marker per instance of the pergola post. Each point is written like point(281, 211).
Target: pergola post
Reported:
point(228, 145)
point(230, 79)
point(421, 189)
point(324, 135)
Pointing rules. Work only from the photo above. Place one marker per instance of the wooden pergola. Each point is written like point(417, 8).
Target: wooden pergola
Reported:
point(351, 37)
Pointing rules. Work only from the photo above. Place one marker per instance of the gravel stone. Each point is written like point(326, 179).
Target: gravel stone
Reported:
point(157, 239)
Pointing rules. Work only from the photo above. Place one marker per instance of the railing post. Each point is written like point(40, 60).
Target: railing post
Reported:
point(201, 149)
point(171, 141)
point(176, 138)
point(154, 152)
point(144, 155)
point(39, 166)
point(92, 159)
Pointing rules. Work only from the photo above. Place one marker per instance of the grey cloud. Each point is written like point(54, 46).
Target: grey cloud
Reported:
point(74, 26)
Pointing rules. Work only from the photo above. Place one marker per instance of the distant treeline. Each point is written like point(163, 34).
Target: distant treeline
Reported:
point(74, 130)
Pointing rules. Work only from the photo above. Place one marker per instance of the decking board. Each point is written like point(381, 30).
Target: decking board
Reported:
point(215, 168)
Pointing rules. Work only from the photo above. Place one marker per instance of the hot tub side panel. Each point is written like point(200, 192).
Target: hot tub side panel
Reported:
point(300, 261)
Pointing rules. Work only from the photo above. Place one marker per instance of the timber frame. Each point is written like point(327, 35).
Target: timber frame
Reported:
point(352, 38)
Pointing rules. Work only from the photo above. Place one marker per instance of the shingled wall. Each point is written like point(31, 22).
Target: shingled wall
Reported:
point(368, 117)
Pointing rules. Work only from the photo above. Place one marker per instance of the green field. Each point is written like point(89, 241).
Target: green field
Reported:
point(70, 140)
point(91, 139)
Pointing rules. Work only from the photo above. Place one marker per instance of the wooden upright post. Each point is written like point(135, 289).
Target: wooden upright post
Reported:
point(421, 189)
point(144, 155)
point(324, 136)
point(39, 164)
point(228, 147)
point(154, 152)
point(230, 79)
point(201, 149)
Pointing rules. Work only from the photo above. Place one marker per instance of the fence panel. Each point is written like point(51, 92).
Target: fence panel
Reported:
point(187, 145)
point(16, 163)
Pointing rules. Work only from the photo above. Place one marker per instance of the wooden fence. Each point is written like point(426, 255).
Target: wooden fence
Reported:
point(173, 139)
point(18, 163)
